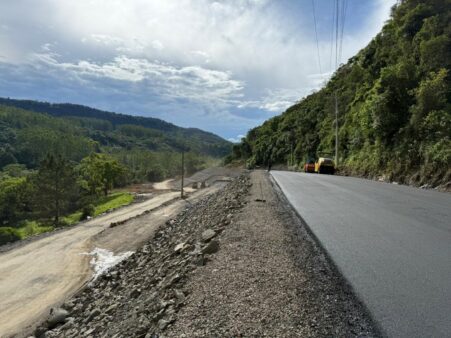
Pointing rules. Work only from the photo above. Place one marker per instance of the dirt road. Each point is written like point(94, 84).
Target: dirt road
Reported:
point(36, 276)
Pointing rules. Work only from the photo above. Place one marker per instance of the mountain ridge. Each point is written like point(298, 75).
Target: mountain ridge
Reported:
point(79, 110)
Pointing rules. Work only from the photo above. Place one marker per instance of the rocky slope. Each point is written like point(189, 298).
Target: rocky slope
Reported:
point(141, 296)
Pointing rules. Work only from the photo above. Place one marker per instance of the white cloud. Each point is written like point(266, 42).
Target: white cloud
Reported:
point(275, 100)
point(236, 139)
point(192, 82)
point(222, 56)
point(157, 45)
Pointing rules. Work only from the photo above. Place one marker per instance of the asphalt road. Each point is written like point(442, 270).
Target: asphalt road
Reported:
point(391, 242)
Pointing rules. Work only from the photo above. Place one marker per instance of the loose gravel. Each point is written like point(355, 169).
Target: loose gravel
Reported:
point(269, 279)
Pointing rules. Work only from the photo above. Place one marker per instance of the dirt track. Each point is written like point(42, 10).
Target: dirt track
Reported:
point(40, 274)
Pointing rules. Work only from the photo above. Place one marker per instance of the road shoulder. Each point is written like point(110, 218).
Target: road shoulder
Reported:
point(269, 279)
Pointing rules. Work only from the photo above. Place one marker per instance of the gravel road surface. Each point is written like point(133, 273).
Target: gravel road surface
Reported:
point(269, 279)
point(391, 242)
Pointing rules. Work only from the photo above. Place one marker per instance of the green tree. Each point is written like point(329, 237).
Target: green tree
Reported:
point(56, 187)
point(100, 173)
point(15, 195)
point(431, 95)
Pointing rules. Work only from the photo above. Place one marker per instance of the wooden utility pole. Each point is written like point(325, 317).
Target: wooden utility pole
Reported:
point(336, 130)
point(183, 173)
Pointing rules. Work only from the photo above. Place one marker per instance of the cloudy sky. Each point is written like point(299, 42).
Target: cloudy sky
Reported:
point(222, 66)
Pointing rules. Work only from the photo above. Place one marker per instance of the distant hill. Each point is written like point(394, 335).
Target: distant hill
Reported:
point(112, 129)
point(394, 102)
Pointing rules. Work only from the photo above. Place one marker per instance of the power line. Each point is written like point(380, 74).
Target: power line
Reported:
point(343, 21)
point(339, 10)
point(332, 33)
point(337, 24)
point(316, 35)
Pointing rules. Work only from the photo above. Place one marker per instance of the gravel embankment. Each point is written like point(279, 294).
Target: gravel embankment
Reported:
point(269, 279)
point(227, 266)
point(141, 296)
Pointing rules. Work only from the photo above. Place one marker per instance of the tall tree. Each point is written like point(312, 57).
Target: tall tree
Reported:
point(14, 199)
point(56, 187)
point(100, 173)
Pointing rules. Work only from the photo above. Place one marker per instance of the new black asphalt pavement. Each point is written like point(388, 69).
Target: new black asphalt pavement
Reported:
point(391, 242)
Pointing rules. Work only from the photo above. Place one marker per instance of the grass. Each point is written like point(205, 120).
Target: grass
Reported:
point(28, 228)
point(113, 201)
point(31, 228)
point(105, 203)
point(72, 218)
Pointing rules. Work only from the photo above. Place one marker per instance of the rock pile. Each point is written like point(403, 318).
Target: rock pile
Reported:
point(141, 296)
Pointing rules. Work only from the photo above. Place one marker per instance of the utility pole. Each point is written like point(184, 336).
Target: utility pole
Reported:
point(183, 173)
point(336, 130)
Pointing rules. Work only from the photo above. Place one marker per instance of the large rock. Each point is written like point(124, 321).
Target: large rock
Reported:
point(57, 316)
point(211, 247)
point(207, 235)
point(162, 324)
point(181, 247)
point(94, 313)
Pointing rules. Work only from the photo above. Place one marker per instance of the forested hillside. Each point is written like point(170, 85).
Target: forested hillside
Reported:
point(59, 167)
point(148, 147)
point(112, 129)
point(394, 106)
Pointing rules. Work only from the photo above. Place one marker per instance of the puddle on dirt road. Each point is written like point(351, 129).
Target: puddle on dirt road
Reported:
point(103, 260)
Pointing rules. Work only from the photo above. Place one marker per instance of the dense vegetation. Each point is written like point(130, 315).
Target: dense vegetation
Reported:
point(149, 153)
point(114, 130)
point(58, 193)
point(58, 166)
point(394, 102)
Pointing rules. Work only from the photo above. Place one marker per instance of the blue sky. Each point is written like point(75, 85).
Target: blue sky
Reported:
point(222, 66)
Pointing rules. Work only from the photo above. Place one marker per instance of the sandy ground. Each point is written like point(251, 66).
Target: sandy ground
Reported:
point(42, 273)
point(164, 185)
point(208, 176)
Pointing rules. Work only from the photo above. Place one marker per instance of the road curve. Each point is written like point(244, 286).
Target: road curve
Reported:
point(391, 242)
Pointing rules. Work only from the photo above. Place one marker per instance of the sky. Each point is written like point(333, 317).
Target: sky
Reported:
point(221, 66)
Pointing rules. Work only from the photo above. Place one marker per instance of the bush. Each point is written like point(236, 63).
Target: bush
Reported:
point(31, 228)
point(156, 174)
point(88, 211)
point(8, 235)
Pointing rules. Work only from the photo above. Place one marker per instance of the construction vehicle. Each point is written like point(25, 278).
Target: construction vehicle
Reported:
point(309, 166)
point(325, 165)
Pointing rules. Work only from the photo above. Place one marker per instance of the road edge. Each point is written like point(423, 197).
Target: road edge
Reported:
point(302, 224)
